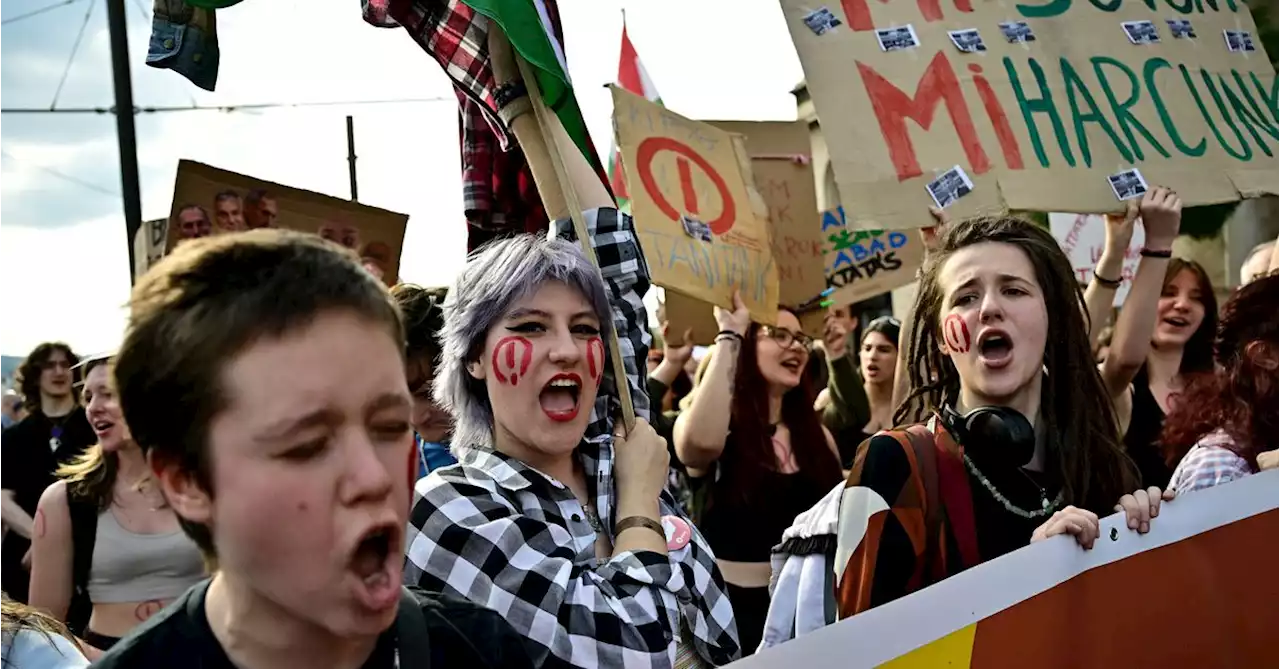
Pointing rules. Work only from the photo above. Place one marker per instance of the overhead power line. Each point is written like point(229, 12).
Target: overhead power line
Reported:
point(65, 177)
point(75, 47)
point(36, 12)
point(221, 108)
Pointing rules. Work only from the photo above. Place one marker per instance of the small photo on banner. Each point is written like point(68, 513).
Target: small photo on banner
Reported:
point(212, 201)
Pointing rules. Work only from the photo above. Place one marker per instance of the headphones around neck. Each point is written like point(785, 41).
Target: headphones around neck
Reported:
point(992, 434)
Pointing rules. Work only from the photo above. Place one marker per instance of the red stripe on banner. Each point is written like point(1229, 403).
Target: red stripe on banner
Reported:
point(1206, 601)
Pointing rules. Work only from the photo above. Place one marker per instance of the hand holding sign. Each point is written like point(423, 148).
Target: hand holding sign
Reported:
point(736, 321)
point(1161, 210)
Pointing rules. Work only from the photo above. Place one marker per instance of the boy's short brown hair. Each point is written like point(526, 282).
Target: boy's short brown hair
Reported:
point(199, 307)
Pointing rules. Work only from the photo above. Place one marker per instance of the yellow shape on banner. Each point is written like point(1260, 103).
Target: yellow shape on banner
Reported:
point(953, 650)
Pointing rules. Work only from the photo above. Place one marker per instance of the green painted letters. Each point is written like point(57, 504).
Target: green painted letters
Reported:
point(1044, 104)
point(1128, 122)
point(1247, 152)
point(1149, 75)
point(1076, 89)
point(1051, 8)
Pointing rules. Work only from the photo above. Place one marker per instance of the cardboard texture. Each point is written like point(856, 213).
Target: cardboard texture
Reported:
point(1037, 124)
point(376, 234)
point(864, 263)
point(681, 171)
point(149, 245)
point(1083, 238)
point(783, 174)
point(687, 313)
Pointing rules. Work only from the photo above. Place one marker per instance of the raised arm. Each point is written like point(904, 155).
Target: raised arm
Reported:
point(1161, 211)
point(848, 406)
point(1101, 293)
point(701, 429)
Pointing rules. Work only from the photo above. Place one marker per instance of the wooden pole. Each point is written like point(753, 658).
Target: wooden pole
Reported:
point(545, 124)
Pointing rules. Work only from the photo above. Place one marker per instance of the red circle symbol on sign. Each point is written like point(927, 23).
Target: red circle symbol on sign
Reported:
point(650, 148)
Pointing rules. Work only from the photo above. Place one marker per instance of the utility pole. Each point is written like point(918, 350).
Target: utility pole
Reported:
point(351, 157)
point(125, 134)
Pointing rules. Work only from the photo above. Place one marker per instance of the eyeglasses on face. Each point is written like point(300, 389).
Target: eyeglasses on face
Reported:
point(785, 337)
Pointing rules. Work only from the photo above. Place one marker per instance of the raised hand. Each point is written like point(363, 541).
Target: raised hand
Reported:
point(1161, 210)
point(737, 320)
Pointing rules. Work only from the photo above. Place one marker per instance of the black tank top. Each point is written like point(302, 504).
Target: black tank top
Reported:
point(1142, 440)
point(747, 530)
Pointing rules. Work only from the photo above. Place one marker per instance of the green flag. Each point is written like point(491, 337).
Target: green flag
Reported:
point(528, 27)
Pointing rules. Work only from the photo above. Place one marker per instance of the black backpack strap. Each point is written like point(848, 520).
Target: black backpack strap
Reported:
point(412, 642)
point(84, 535)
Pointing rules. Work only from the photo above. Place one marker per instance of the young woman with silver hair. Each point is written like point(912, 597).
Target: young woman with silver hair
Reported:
point(549, 519)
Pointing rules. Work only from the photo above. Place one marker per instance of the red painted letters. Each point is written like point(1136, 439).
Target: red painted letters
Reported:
point(893, 107)
point(999, 121)
point(859, 13)
point(650, 148)
point(956, 333)
point(508, 363)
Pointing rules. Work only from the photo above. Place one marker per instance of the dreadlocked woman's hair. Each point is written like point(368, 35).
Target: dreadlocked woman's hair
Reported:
point(1075, 409)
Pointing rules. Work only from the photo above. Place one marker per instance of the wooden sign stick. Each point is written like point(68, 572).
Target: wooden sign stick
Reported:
point(550, 151)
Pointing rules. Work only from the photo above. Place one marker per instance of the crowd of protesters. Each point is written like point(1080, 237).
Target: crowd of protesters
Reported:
point(287, 464)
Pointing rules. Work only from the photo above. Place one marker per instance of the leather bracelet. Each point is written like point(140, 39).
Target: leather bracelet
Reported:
point(639, 521)
point(506, 93)
point(729, 333)
point(1109, 283)
point(1152, 253)
point(514, 110)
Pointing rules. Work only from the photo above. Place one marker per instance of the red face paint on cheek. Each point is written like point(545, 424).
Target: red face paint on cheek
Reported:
point(511, 359)
point(956, 334)
point(595, 359)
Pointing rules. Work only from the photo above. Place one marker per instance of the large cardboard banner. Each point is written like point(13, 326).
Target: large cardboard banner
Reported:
point(1038, 101)
point(1198, 590)
point(864, 263)
point(1083, 238)
point(781, 165)
point(231, 202)
point(702, 233)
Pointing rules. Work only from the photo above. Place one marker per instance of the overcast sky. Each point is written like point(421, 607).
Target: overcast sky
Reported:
point(63, 253)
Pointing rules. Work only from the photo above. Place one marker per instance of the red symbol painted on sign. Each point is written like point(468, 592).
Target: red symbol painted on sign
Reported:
point(650, 148)
point(505, 359)
point(956, 333)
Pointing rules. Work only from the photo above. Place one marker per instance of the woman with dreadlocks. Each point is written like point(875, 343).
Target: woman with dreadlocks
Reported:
point(1014, 437)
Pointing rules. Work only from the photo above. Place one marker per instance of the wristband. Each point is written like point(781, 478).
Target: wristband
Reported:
point(1152, 253)
point(729, 333)
point(1109, 283)
point(639, 521)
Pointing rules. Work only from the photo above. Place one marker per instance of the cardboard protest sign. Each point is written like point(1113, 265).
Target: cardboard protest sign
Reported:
point(687, 313)
point(780, 165)
point(701, 231)
point(1016, 611)
point(864, 263)
point(1038, 103)
point(1084, 236)
point(149, 245)
point(233, 202)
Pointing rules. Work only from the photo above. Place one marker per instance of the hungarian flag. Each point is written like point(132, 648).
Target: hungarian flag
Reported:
point(632, 77)
point(528, 26)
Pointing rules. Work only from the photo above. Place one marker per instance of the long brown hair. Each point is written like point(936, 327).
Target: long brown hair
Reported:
point(91, 475)
point(1240, 398)
point(27, 377)
point(1197, 354)
point(1084, 435)
point(752, 457)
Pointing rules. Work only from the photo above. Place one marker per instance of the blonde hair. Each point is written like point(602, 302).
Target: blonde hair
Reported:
point(16, 616)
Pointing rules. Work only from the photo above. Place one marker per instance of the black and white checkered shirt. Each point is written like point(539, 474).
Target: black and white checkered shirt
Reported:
point(497, 532)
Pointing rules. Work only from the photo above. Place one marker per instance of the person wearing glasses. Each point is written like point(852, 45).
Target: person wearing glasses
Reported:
point(54, 433)
point(750, 427)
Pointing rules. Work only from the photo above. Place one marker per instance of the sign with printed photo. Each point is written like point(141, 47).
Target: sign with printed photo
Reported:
point(864, 263)
point(1038, 102)
point(678, 171)
point(209, 201)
